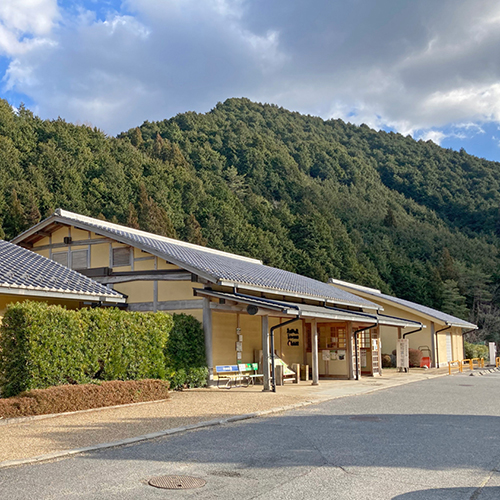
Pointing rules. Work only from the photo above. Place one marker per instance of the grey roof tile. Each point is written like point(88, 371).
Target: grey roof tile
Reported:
point(215, 265)
point(429, 311)
point(23, 269)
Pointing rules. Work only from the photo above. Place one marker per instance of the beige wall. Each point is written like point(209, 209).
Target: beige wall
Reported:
point(139, 291)
point(6, 299)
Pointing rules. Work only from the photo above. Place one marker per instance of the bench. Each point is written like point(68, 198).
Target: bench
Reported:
point(243, 372)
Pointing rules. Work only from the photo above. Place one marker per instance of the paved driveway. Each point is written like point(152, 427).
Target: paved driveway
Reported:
point(436, 439)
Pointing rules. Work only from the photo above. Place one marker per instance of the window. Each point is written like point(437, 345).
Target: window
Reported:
point(60, 258)
point(79, 259)
point(121, 257)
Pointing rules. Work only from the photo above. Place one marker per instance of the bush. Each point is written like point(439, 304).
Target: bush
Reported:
point(415, 355)
point(476, 351)
point(43, 346)
point(66, 398)
point(185, 353)
point(386, 361)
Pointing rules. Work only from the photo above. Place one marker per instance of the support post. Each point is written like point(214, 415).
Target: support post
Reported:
point(207, 330)
point(265, 354)
point(314, 347)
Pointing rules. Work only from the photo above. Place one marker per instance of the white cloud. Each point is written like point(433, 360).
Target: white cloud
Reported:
point(411, 66)
point(24, 23)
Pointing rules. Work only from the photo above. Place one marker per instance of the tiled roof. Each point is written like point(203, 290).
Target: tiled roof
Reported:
point(310, 311)
point(429, 311)
point(214, 265)
point(22, 270)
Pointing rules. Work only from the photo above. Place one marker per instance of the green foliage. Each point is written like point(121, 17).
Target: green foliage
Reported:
point(185, 353)
point(476, 351)
point(323, 198)
point(43, 346)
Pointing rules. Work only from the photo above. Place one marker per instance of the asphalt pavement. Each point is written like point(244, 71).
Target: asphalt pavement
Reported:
point(435, 439)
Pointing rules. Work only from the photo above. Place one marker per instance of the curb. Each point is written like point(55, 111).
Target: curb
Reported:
point(177, 430)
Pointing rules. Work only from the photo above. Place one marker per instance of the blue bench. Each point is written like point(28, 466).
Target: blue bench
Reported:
point(242, 373)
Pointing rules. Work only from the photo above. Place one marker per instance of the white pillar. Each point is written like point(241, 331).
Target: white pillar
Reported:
point(207, 329)
point(315, 357)
point(265, 353)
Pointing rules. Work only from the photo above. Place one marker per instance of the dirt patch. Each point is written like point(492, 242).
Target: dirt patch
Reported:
point(65, 398)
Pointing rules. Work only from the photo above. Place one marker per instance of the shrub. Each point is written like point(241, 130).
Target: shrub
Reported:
point(415, 355)
point(185, 353)
point(66, 398)
point(386, 361)
point(43, 346)
point(476, 351)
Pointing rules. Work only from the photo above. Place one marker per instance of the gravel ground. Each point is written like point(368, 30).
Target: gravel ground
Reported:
point(25, 439)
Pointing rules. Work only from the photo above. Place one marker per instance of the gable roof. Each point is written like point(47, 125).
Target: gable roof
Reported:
point(447, 319)
point(213, 265)
point(23, 272)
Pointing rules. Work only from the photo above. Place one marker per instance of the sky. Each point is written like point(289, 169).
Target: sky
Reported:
point(426, 68)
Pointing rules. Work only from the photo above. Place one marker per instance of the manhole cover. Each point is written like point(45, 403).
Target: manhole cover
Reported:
point(366, 418)
point(176, 482)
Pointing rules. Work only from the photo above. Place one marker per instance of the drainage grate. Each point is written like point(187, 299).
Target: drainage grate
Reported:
point(176, 482)
point(366, 418)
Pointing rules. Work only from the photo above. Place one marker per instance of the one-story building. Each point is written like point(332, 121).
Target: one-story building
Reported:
point(25, 275)
point(442, 337)
point(245, 307)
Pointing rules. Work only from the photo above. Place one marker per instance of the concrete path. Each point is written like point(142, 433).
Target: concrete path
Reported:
point(24, 440)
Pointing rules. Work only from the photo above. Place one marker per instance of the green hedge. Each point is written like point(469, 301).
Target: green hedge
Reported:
point(476, 351)
point(43, 346)
point(185, 353)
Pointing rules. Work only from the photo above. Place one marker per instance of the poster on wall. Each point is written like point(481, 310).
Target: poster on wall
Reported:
point(334, 356)
point(325, 355)
point(341, 354)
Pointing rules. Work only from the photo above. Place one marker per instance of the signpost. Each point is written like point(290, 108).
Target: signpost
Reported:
point(402, 355)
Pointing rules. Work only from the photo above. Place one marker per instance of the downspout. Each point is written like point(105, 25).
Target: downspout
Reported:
point(409, 333)
point(273, 378)
point(356, 344)
point(271, 332)
point(463, 339)
point(437, 343)
point(413, 331)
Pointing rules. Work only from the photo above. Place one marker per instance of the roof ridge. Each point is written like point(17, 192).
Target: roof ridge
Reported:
point(119, 227)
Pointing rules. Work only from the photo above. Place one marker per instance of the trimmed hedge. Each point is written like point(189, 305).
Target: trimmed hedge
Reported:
point(43, 346)
point(185, 353)
point(64, 398)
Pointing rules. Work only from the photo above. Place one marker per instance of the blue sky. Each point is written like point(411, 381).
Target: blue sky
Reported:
point(420, 67)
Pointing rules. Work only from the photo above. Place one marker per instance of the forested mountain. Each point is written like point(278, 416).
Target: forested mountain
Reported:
point(322, 198)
